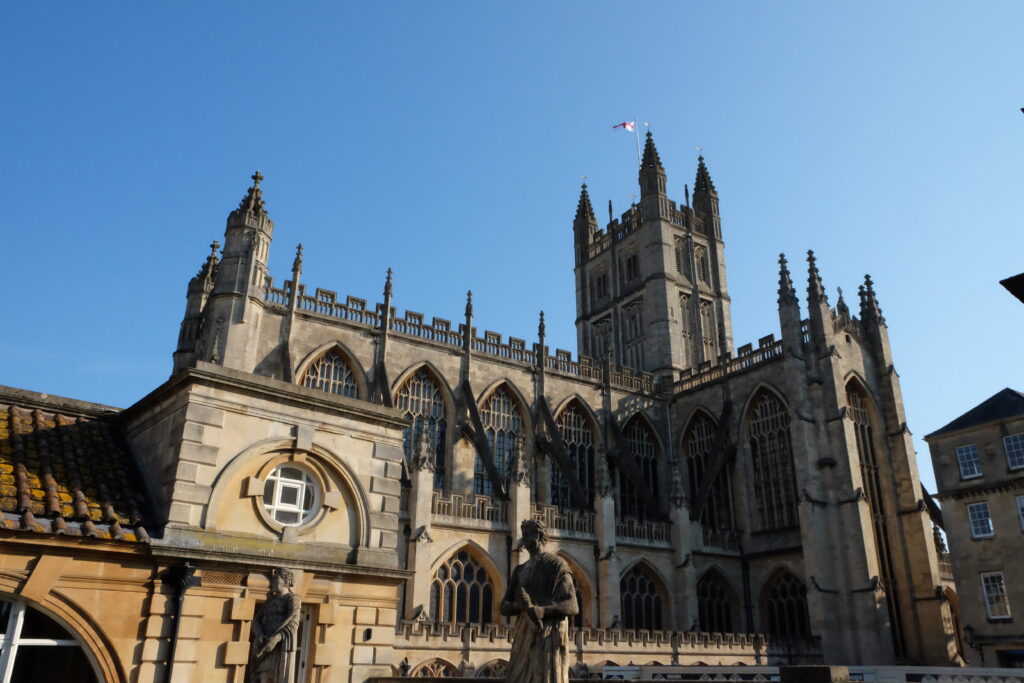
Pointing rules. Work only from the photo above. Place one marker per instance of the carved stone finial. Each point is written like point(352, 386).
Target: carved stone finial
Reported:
point(387, 284)
point(469, 304)
point(541, 328)
point(214, 246)
point(256, 178)
point(297, 263)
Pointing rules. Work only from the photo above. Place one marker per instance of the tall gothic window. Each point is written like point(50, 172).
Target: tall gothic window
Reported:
point(859, 411)
point(633, 338)
point(332, 373)
point(461, 592)
point(717, 510)
point(641, 445)
point(503, 426)
point(709, 330)
point(772, 461)
point(421, 400)
point(701, 257)
point(714, 603)
point(784, 607)
point(578, 440)
point(641, 600)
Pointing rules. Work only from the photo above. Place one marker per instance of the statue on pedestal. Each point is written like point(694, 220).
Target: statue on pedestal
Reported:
point(275, 630)
point(542, 594)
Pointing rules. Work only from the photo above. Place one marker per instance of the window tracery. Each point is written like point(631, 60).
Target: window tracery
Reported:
point(461, 591)
point(641, 600)
point(718, 508)
point(785, 607)
point(772, 461)
point(578, 439)
point(421, 400)
point(503, 427)
point(714, 603)
point(641, 444)
point(332, 373)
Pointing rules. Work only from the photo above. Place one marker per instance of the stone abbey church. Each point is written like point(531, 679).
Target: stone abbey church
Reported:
point(717, 505)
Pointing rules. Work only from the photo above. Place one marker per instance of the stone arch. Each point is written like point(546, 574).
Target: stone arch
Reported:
point(768, 440)
point(783, 605)
point(754, 394)
point(517, 395)
point(584, 589)
point(581, 438)
point(338, 347)
point(440, 428)
point(495, 668)
point(446, 391)
point(631, 502)
point(322, 456)
point(511, 442)
point(717, 602)
point(458, 592)
point(588, 411)
point(644, 597)
point(435, 668)
point(97, 647)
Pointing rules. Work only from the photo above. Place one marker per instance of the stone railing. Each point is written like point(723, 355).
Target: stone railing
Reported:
point(725, 539)
point(557, 519)
point(477, 507)
point(768, 350)
point(630, 529)
point(354, 310)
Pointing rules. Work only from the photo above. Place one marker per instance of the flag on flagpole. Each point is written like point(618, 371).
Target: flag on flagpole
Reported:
point(626, 125)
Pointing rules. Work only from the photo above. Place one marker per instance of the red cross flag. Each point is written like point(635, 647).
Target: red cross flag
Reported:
point(626, 125)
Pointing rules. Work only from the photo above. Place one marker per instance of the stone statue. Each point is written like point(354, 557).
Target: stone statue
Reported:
point(542, 594)
point(275, 631)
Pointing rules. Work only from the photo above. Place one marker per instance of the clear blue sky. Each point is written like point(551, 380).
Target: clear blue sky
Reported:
point(446, 140)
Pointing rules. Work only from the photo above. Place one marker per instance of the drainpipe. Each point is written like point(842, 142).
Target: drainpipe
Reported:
point(180, 578)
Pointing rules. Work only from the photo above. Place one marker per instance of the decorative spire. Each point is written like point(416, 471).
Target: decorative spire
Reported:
point(869, 308)
point(297, 263)
point(387, 285)
point(815, 290)
point(686, 191)
point(541, 329)
point(253, 201)
point(469, 304)
point(703, 183)
point(841, 308)
point(650, 160)
point(584, 209)
point(787, 293)
point(209, 268)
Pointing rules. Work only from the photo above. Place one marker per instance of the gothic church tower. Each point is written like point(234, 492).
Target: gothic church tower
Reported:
point(651, 288)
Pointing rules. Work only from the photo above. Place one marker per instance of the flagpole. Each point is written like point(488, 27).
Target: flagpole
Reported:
point(636, 131)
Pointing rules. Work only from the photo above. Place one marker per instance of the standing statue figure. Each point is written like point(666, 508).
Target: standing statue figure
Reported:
point(542, 593)
point(275, 630)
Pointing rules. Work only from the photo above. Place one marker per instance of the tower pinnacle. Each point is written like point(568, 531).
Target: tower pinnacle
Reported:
point(650, 160)
point(253, 201)
point(815, 290)
point(584, 209)
point(787, 293)
point(703, 184)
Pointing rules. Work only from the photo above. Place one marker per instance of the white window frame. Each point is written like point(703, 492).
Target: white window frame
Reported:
point(968, 450)
point(972, 519)
point(12, 640)
point(1014, 452)
point(281, 484)
point(989, 598)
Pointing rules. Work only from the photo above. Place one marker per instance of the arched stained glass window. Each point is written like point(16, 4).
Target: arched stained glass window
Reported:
point(784, 607)
point(421, 400)
point(503, 426)
point(461, 592)
point(772, 461)
point(871, 480)
point(577, 435)
point(332, 373)
point(641, 444)
point(641, 600)
point(717, 511)
point(714, 603)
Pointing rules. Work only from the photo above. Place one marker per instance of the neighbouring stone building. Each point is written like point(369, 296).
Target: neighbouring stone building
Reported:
point(979, 470)
point(719, 505)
